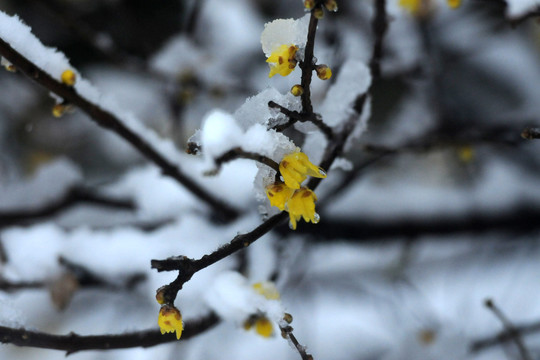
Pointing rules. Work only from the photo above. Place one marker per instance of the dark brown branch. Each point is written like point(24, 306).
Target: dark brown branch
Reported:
point(287, 332)
point(74, 196)
point(3, 253)
point(188, 267)
point(74, 343)
point(510, 329)
point(307, 65)
point(238, 153)
point(379, 26)
point(295, 116)
point(109, 121)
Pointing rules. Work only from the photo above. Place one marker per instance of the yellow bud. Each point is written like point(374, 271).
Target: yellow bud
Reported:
point(160, 295)
point(7, 65)
point(323, 72)
point(68, 77)
point(309, 4)
point(58, 110)
point(318, 13)
point(170, 320)
point(297, 90)
point(331, 5)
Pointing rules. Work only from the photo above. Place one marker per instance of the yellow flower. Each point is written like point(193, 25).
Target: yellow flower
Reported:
point(68, 77)
point(454, 4)
point(413, 6)
point(170, 320)
point(267, 289)
point(263, 326)
point(279, 194)
point(282, 60)
point(296, 167)
point(302, 205)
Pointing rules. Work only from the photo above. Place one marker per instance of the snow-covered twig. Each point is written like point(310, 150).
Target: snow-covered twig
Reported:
point(287, 332)
point(295, 116)
point(72, 342)
point(109, 121)
point(74, 196)
point(238, 153)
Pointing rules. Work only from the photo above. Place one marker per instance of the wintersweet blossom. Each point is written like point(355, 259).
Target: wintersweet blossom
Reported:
point(267, 289)
point(68, 77)
point(302, 205)
point(170, 320)
point(282, 60)
point(279, 194)
point(261, 324)
point(296, 167)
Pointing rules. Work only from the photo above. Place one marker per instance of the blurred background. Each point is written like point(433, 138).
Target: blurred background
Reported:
point(435, 209)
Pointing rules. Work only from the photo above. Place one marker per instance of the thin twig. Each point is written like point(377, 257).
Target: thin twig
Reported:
point(307, 65)
point(72, 197)
point(187, 267)
point(73, 343)
point(295, 116)
point(379, 26)
point(510, 329)
point(530, 133)
point(109, 121)
point(238, 153)
point(3, 253)
point(287, 332)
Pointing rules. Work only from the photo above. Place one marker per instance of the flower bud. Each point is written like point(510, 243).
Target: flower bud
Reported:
point(331, 5)
point(58, 110)
point(309, 4)
point(160, 295)
point(323, 72)
point(68, 77)
point(318, 13)
point(297, 90)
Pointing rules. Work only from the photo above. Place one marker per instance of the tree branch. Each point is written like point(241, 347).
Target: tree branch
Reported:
point(238, 153)
point(74, 196)
point(74, 343)
point(110, 122)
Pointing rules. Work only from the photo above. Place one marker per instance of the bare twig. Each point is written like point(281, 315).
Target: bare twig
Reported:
point(287, 332)
point(379, 26)
point(72, 342)
point(510, 329)
point(72, 197)
point(295, 116)
point(109, 121)
point(307, 65)
point(238, 153)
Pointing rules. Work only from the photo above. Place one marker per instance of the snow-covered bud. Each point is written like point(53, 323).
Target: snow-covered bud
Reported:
point(323, 72)
point(309, 4)
point(68, 77)
point(297, 90)
point(331, 5)
point(318, 12)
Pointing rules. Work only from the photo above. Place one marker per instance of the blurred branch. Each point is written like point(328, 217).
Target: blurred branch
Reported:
point(519, 219)
point(510, 329)
point(3, 253)
point(74, 196)
point(379, 26)
point(504, 336)
point(73, 343)
point(109, 121)
point(530, 133)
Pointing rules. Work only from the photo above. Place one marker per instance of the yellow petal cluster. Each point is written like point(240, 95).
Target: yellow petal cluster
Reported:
point(302, 205)
point(282, 60)
point(170, 320)
point(279, 194)
point(296, 167)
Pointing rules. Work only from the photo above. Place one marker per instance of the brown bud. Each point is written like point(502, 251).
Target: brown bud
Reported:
point(331, 5)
